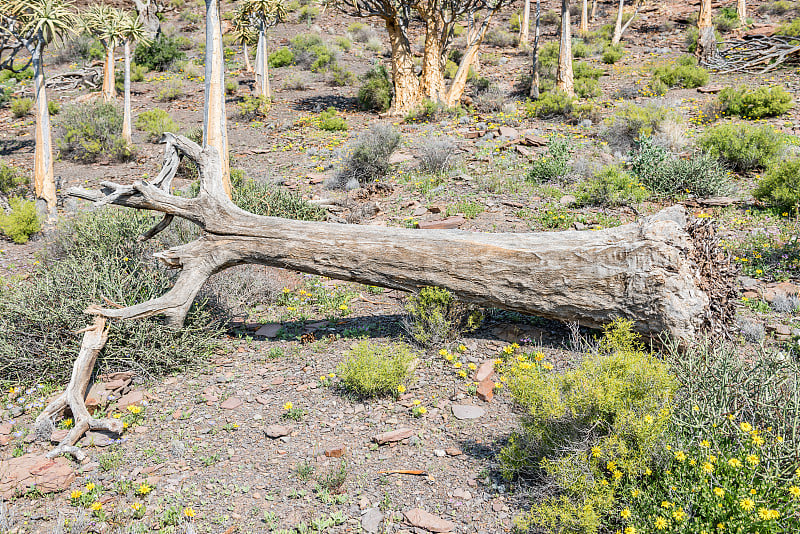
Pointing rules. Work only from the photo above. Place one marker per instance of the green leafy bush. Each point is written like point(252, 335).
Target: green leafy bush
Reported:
point(742, 146)
point(587, 430)
point(252, 107)
point(155, 122)
point(172, 90)
point(311, 52)
point(755, 103)
point(727, 19)
point(271, 200)
point(659, 171)
point(587, 88)
point(331, 121)
point(21, 107)
point(368, 158)
point(344, 43)
point(550, 105)
point(93, 256)
point(21, 222)
point(307, 13)
point(683, 73)
point(8, 75)
point(580, 48)
point(612, 54)
point(375, 92)
point(91, 130)
point(371, 369)
point(790, 28)
point(341, 77)
point(12, 179)
point(159, 54)
point(554, 165)
point(427, 111)
point(435, 316)
point(282, 57)
point(612, 186)
point(630, 121)
point(780, 185)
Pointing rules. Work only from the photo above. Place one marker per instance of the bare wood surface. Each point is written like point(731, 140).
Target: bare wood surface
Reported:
point(756, 54)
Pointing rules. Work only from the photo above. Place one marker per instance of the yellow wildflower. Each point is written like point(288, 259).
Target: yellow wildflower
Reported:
point(747, 504)
point(752, 459)
point(625, 514)
point(401, 389)
point(660, 523)
point(719, 492)
point(189, 512)
point(96, 505)
point(288, 406)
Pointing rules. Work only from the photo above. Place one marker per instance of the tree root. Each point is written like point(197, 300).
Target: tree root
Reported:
point(94, 339)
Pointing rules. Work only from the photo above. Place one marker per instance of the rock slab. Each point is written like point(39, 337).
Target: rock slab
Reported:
point(393, 435)
point(419, 518)
point(19, 475)
point(372, 520)
point(467, 411)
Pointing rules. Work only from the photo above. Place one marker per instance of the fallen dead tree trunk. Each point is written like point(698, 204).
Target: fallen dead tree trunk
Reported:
point(653, 271)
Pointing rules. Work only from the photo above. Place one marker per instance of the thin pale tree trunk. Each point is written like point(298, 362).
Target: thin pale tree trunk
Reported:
point(524, 24)
point(706, 41)
point(126, 107)
point(215, 129)
point(618, 24)
point(594, 11)
point(407, 92)
point(247, 66)
point(43, 177)
point(109, 91)
point(584, 29)
point(534, 92)
point(741, 10)
point(456, 90)
point(564, 79)
point(262, 66)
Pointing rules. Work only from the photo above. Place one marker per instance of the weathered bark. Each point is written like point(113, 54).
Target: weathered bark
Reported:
point(126, 106)
point(534, 92)
point(109, 90)
point(741, 11)
point(618, 24)
point(148, 14)
point(594, 11)
point(247, 66)
point(584, 28)
point(43, 177)
point(407, 93)
point(524, 24)
point(456, 90)
point(432, 81)
point(215, 129)
point(564, 78)
point(262, 66)
point(706, 41)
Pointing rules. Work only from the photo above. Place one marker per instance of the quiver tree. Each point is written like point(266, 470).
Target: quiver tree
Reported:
point(534, 90)
point(706, 40)
point(584, 28)
point(262, 15)
point(244, 34)
point(564, 78)
point(132, 31)
point(741, 12)
point(215, 127)
point(105, 24)
point(524, 23)
point(35, 24)
point(148, 15)
point(620, 28)
point(663, 272)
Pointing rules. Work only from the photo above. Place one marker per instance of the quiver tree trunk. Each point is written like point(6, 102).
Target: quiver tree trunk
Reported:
point(564, 78)
point(432, 78)
point(662, 272)
point(43, 178)
point(407, 93)
point(524, 24)
point(215, 128)
point(706, 41)
point(456, 90)
point(109, 91)
point(148, 14)
point(584, 28)
point(618, 23)
point(741, 11)
point(126, 102)
point(534, 91)
point(246, 51)
point(262, 65)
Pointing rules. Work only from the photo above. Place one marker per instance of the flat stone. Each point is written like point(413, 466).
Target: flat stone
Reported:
point(420, 211)
point(507, 131)
point(231, 403)
point(262, 400)
point(5, 429)
point(97, 439)
point(134, 398)
point(485, 370)
point(467, 411)
point(442, 224)
point(419, 518)
point(462, 494)
point(372, 520)
point(393, 435)
point(17, 475)
point(709, 89)
point(567, 200)
point(116, 384)
point(485, 390)
point(58, 435)
point(277, 431)
point(269, 330)
point(336, 451)
point(452, 451)
point(400, 157)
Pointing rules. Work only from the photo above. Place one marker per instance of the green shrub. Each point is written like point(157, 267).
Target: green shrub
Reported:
point(580, 48)
point(371, 369)
point(581, 69)
point(701, 174)
point(21, 107)
point(252, 107)
point(612, 54)
point(271, 200)
point(550, 105)
point(231, 87)
point(21, 222)
point(330, 121)
point(368, 158)
point(742, 146)
point(282, 57)
point(727, 19)
point(53, 108)
point(311, 53)
point(138, 72)
point(344, 43)
point(685, 73)
point(435, 317)
point(790, 28)
point(630, 121)
point(612, 186)
point(159, 54)
point(375, 93)
point(93, 256)
point(780, 185)
point(155, 122)
point(308, 13)
point(341, 77)
point(172, 90)
point(90, 130)
point(587, 430)
point(554, 165)
point(7, 75)
point(427, 111)
point(499, 38)
point(756, 103)
point(587, 88)
point(5, 95)
point(12, 179)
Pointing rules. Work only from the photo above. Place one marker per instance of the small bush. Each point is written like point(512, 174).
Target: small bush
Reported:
point(780, 185)
point(12, 179)
point(308, 14)
point(435, 317)
point(437, 155)
point(368, 158)
point(630, 121)
point(8, 75)
point(587, 88)
point(499, 38)
point(727, 19)
point(231, 87)
point(79, 47)
point(341, 77)
point(790, 28)
point(90, 130)
point(612, 54)
point(53, 108)
point(685, 73)
point(742, 146)
point(370, 369)
point(756, 103)
point(159, 54)
point(490, 100)
point(272, 200)
point(282, 57)
point(375, 44)
point(376, 91)
point(612, 186)
point(21, 107)
point(361, 32)
point(554, 165)
point(330, 121)
point(21, 222)
point(155, 122)
point(172, 90)
point(550, 105)
point(138, 72)
point(343, 43)
point(580, 48)
point(427, 111)
point(252, 107)
point(311, 53)
point(296, 82)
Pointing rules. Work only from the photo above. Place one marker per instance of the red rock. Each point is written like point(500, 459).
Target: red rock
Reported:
point(336, 451)
point(263, 401)
point(709, 89)
point(485, 370)
point(393, 435)
point(277, 381)
point(231, 403)
point(18, 475)
point(452, 451)
point(752, 295)
point(788, 288)
point(530, 139)
point(472, 134)
point(277, 431)
point(125, 376)
point(5, 429)
point(486, 390)
point(134, 398)
point(419, 518)
point(442, 224)
point(4, 439)
point(58, 435)
point(783, 330)
point(116, 384)
point(507, 131)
